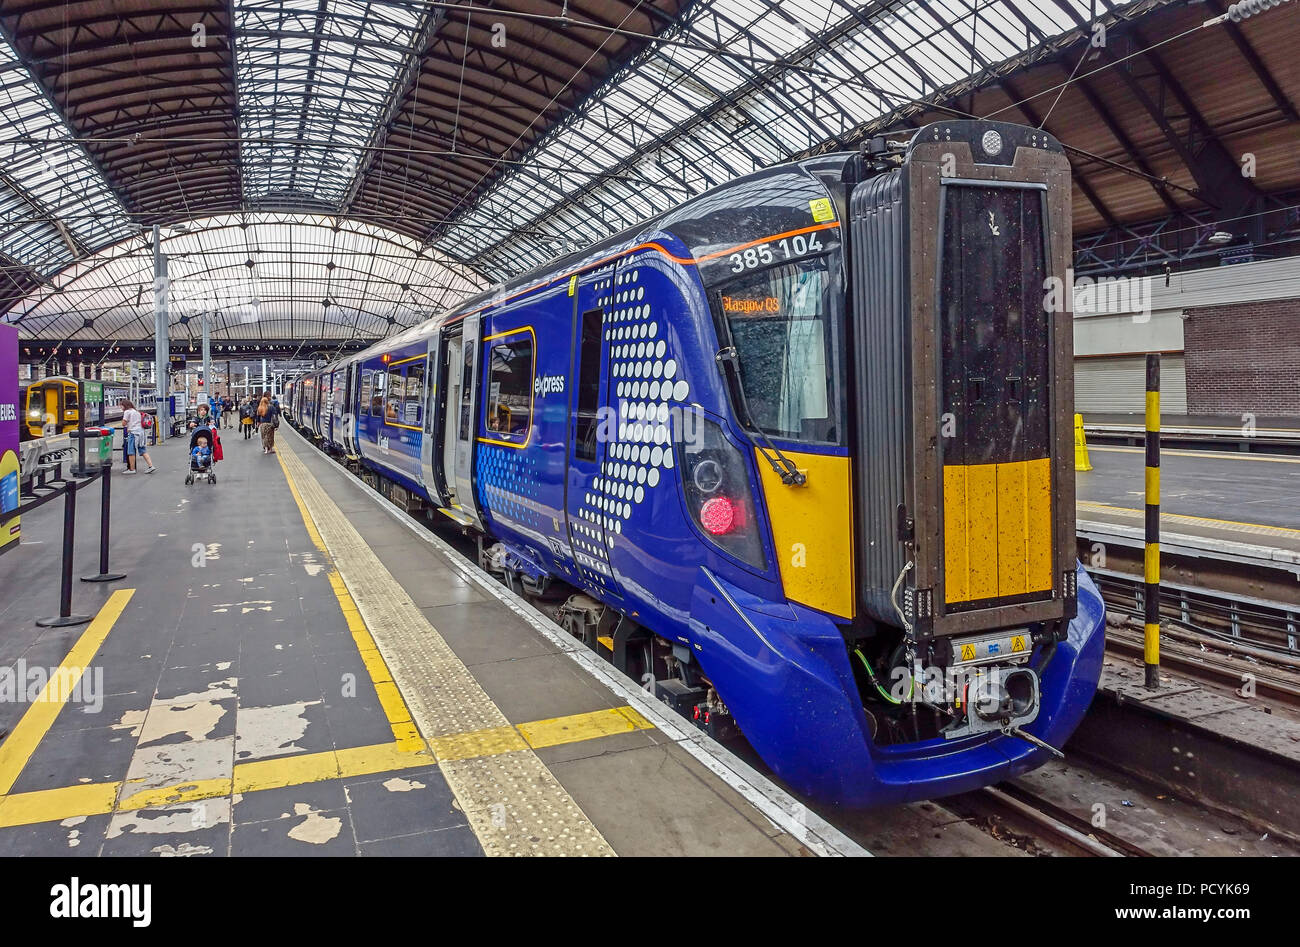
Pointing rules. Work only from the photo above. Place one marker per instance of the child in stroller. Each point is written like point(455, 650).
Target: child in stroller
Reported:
point(205, 451)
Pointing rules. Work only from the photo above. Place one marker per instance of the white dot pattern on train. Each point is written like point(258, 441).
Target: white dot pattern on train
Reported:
point(645, 384)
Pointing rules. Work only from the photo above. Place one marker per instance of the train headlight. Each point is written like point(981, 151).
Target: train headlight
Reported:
point(715, 479)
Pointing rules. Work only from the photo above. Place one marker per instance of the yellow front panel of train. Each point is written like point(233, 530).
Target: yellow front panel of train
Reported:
point(997, 529)
point(812, 530)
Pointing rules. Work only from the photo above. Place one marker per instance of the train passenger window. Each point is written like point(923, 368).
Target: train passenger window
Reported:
point(787, 350)
point(584, 446)
point(413, 406)
point(509, 410)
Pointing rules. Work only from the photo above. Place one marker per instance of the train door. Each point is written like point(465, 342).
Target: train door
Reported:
point(458, 451)
point(589, 539)
point(348, 417)
point(431, 468)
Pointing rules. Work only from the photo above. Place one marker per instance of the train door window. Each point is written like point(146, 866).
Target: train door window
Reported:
point(70, 404)
point(508, 414)
point(395, 395)
point(413, 406)
point(367, 383)
point(584, 446)
point(378, 389)
point(466, 392)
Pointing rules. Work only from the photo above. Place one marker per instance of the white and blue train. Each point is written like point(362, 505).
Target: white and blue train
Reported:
point(798, 451)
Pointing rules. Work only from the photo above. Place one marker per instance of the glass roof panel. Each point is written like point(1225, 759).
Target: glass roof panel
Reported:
point(315, 78)
point(310, 277)
point(740, 85)
point(54, 203)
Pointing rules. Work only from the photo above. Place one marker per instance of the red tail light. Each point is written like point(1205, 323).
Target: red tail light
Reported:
point(718, 516)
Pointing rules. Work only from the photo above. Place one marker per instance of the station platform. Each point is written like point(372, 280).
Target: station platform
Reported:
point(1225, 432)
point(290, 667)
point(1223, 505)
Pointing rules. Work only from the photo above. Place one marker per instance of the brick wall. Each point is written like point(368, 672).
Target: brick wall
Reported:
point(1244, 358)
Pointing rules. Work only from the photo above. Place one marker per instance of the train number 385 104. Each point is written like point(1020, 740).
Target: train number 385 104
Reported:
point(787, 247)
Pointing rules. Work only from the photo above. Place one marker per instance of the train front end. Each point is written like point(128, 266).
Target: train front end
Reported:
point(941, 634)
point(962, 331)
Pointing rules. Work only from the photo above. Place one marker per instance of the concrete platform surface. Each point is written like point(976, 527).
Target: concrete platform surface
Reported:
point(291, 669)
point(1240, 506)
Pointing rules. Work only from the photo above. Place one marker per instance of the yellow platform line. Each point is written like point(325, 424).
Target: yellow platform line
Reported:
point(1202, 454)
point(390, 698)
point(54, 805)
point(19, 746)
point(512, 800)
point(1186, 518)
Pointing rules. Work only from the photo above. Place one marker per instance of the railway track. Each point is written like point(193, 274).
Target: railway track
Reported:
point(1038, 825)
point(1270, 682)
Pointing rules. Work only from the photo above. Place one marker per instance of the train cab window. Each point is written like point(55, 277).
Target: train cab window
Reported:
point(508, 413)
point(787, 350)
point(413, 405)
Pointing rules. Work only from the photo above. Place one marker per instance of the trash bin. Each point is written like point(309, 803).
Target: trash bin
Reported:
point(99, 446)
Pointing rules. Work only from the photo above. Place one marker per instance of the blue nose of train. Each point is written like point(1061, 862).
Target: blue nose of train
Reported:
point(797, 702)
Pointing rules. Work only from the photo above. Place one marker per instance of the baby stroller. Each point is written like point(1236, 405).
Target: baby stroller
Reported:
point(201, 468)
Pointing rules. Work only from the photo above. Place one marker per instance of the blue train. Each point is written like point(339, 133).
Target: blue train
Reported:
point(796, 454)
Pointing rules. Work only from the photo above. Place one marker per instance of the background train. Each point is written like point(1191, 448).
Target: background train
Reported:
point(799, 452)
point(52, 405)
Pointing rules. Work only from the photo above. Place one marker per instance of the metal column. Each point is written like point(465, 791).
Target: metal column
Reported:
point(207, 355)
point(162, 346)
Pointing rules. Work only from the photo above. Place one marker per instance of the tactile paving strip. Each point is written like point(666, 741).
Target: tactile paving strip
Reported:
point(513, 802)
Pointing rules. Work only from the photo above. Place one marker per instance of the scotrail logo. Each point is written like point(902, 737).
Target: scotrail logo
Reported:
point(134, 901)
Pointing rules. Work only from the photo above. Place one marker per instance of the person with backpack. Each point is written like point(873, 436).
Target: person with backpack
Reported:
point(133, 424)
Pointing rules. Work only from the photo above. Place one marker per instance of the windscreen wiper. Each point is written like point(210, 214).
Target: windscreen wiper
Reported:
point(785, 468)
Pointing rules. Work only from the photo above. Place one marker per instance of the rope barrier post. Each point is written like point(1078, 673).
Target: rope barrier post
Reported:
point(105, 506)
point(1151, 649)
point(65, 616)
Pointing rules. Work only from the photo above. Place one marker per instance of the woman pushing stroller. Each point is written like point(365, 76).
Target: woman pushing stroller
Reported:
point(205, 452)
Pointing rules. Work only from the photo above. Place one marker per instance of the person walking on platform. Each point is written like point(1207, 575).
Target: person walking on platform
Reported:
point(269, 417)
point(246, 417)
point(227, 406)
point(133, 426)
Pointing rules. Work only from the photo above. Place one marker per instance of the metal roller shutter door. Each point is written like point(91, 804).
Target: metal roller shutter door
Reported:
point(1118, 385)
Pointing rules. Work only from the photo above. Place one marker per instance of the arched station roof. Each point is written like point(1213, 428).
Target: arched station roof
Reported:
point(495, 135)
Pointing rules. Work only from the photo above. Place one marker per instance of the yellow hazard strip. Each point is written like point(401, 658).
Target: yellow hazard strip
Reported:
point(600, 723)
point(53, 805)
point(19, 746)
point(1151, 649)
point(1152, 563)
point(1094, 507)
point(390, 698)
